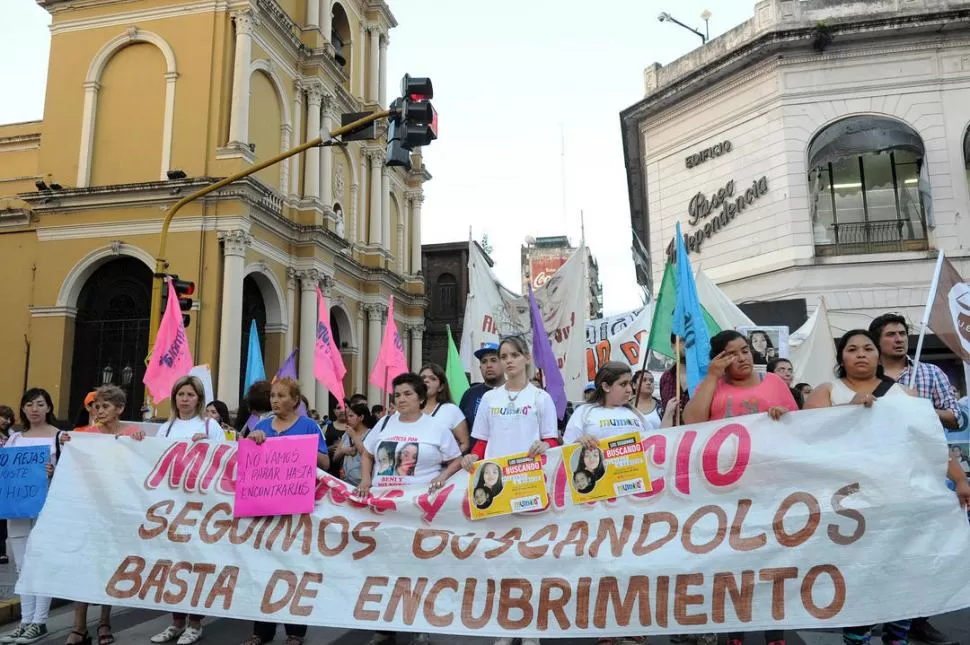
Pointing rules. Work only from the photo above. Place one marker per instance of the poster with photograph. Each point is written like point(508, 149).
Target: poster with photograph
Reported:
point(767, 343)
point(616, 468)
point(506, 485)
point(958, 439)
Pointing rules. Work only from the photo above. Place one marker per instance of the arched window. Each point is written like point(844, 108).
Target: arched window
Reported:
point(867, 183)
point(340, 38)
point(446, 296)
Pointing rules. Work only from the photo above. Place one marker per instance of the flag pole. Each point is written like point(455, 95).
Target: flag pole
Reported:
point(934, 284)
point(677, 382)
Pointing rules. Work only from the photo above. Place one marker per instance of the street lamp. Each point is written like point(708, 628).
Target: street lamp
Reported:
point(666, 17)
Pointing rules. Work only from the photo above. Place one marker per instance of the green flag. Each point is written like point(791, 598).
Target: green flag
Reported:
point(663, 315)
point(455, 371)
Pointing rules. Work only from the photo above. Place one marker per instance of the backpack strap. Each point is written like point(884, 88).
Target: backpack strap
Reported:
point(384, 424)
point(884, 386)
point(436, 408)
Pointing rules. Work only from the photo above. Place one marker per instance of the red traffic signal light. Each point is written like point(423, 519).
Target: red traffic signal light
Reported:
point(416, 88)
point(184, 290)
point(183, 287)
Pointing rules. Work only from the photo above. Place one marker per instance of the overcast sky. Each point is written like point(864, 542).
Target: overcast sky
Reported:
point(516, 84)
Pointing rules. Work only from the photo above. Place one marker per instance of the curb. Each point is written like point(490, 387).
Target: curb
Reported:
point(10, 608)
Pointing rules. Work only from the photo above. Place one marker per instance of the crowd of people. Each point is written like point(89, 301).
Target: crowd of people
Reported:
point(424, 437)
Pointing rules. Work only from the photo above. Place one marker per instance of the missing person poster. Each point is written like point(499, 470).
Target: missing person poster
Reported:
point(506, 485)
point(615, 468)
point(767, 343)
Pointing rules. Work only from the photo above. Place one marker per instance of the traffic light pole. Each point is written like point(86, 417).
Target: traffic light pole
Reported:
point(161, 264)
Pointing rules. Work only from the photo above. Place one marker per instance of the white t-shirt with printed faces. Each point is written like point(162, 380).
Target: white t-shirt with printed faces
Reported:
point(601, 422)
point(511, 424)
point(449, 414)
point(410, 453)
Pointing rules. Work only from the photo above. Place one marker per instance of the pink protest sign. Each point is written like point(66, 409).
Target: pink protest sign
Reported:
point(277, 477)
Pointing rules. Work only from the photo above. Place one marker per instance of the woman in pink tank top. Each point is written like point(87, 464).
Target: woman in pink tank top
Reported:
point(732, 387)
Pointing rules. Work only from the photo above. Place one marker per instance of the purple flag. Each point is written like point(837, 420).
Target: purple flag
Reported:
point(288, 370)
point(545, 360)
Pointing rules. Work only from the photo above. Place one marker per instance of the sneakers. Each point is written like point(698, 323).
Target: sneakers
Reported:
point(170, 634)
point(530, 641)
point(504, 641)
point(33, 633)
point(190, 635)
point(10, 637)
point(631, 640)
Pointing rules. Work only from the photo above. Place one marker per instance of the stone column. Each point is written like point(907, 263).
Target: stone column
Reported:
point(326, 20)
point(359, 49)
point(374, 67)
point(297, 131)
point(417, 199)
point(285, 132)
point(376, 197)
point(290, 312)
point(354, 205)
point(382, 66)
point(326, 156)
point(322, 393)
point(239, 115)
point(417, 347)
point(400, 262)
point(359, 359)
point(312, 13)
point(311, 171)
point(234, 244)
point(386, 206)
point(362, 213)
point(308, 331)
point(375, 313)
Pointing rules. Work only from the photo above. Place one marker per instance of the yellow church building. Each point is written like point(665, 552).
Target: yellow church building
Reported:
point(150, 100)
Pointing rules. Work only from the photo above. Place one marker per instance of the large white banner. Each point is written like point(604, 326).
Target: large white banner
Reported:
point(617, 338)
point(492, 311)
point(751, 524)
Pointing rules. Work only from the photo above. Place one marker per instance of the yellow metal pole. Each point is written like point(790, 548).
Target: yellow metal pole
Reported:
point(161, 264)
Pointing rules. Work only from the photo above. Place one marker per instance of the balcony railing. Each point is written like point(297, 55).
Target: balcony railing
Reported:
point(888, 236)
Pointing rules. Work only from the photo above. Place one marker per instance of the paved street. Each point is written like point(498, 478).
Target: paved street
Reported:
point(137, 625)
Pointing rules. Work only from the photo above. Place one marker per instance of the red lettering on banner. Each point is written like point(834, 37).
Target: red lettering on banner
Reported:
point(431, 503)
point(712, 451)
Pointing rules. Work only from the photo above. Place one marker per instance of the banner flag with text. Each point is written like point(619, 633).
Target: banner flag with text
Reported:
point(748, 524)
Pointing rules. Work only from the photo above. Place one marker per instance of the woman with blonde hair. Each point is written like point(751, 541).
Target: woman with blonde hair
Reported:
point(188, 421)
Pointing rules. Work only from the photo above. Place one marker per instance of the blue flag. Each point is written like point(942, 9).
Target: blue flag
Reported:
point(688, 320)
point(544, 358)
point(254, 360)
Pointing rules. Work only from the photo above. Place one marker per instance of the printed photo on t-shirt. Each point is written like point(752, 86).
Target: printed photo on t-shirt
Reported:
point(397, 458)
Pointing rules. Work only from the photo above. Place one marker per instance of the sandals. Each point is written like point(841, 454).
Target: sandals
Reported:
point(82, 638)
point(105, 637)
point(293, 640)
point(254, 640)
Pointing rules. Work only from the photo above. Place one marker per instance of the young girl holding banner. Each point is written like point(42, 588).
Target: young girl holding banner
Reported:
point(188, 421)
point(514, 417)
point(37, 419)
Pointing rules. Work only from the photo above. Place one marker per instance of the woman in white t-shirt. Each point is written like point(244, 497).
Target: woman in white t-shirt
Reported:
point(406, 448)
point(37, 419)
point(644, 401)
point(441, 405)
point(608, 412)
point(514, 417)
point(188, 421)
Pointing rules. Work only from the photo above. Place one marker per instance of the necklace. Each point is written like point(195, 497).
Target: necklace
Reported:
point(513, 398)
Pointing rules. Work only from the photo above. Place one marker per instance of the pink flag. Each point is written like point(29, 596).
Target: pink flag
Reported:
point(390, 361)
point(171, 358)
point(328, 366)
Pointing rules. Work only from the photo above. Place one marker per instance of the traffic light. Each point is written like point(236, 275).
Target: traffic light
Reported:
point(184, 289)
point(415, 122)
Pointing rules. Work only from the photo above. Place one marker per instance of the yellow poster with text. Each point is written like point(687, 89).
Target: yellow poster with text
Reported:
point(506, 485)
point(617, 467)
